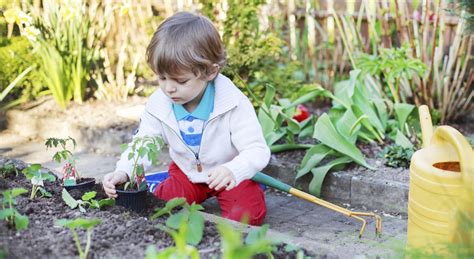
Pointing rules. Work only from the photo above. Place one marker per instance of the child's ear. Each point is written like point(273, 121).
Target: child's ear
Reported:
point(214, 72)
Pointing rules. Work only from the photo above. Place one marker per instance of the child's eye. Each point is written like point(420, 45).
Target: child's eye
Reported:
point(182, 82)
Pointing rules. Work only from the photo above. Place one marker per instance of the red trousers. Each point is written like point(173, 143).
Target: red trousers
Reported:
point(245, 201)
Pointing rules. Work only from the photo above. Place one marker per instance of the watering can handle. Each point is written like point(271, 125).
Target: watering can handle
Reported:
point(426, 125)
point(463, 149)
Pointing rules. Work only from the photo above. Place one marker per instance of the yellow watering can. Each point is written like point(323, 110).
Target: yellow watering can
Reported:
point(441, 189)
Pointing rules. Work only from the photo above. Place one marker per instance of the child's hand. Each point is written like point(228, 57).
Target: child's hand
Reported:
point(220, 177)
point(112, 179)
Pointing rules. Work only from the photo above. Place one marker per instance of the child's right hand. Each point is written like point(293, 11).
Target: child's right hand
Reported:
point(111, 180)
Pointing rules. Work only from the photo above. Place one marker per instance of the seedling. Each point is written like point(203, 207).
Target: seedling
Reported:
point(87, 200)
point(180, 236)
point(87, 224)
point(190, 213)
point(234, 247)
point(141, 147)
point(7, 169)
point(37, 178)
point(9, 213)
point(70, 173)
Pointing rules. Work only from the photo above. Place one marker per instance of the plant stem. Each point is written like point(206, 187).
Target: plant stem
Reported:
point(287, 147)
point(88, 242)
point(33, 192)
point(78, 244)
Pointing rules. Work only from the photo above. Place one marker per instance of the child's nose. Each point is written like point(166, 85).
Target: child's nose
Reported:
point(170, 88)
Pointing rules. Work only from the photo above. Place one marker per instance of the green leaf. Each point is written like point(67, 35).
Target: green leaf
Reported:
point(8, 212)
point(402, 140)
point(195, 228)
point(46, 176)
point(269, 95)
point(312, 157)
point(21, 222)
point(345, 126)
point(402, 111)
point(325, 132)
point(78, 223)
point(274, 136)
point(175, 220)
point(319, 173)
point(17, 192)
point(366, 106)
point(256, 234)
point(69, 200)
point(106, 202)
point(45, 193)
point(89, 195)
point(170, 205)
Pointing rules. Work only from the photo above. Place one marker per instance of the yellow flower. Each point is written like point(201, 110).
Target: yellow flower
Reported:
point(30, 32)
point(16, 15)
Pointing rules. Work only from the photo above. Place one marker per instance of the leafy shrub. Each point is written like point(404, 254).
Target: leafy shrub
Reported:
point(16, 55)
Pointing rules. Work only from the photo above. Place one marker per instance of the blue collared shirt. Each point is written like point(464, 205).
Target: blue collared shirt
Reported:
point(191, 124)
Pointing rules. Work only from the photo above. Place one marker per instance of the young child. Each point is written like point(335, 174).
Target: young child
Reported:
point(215, 140)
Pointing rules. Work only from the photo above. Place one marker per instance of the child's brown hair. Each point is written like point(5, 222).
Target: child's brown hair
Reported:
point(185, 42)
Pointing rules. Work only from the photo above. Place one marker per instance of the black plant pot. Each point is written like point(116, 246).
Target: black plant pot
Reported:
point(84, 184)
point(134, 200)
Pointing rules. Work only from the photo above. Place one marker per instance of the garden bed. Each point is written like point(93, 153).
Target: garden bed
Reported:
point(122, 233)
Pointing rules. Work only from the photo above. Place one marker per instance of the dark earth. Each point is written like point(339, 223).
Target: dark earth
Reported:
point(122, 233)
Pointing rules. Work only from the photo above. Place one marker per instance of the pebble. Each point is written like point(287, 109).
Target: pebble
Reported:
point(37, 222)
point(128, 224)
point(50, 212)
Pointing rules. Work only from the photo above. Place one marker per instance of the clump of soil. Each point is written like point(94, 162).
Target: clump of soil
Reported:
point(122, 233)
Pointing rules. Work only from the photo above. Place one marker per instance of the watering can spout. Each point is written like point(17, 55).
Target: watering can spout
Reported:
point(426, 125)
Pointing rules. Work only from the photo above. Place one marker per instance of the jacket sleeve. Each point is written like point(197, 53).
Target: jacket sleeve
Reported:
point(247, 137)
point(149, 126)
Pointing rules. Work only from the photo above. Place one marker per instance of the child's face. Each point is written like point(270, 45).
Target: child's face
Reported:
point(185, 89)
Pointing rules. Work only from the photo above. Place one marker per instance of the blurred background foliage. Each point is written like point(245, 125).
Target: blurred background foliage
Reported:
point(96, 48)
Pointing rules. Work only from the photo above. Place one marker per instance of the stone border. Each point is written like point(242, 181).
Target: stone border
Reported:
point(346, 187)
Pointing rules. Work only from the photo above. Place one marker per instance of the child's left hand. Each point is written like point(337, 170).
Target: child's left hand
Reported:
point(220, 177)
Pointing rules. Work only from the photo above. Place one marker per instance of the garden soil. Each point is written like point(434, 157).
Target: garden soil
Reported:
point(121, 233)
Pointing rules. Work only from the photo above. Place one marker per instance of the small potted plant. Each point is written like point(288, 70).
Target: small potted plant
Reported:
point(70, 175)
point(132, 194)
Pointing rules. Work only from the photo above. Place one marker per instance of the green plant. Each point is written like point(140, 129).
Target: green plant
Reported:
point(87, 200)
point(9, 213)
point(37, 178)
point(393, 67)
point(87, 224)
point(277, 120)
point(19, 78)
point(397, 156)
point(141, 147)
point(191, 216)
point(67, 51)
point(233, 246)
point(70, 172)
point(8, 168)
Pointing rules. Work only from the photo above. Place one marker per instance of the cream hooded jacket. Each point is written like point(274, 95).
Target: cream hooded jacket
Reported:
point(232, 136)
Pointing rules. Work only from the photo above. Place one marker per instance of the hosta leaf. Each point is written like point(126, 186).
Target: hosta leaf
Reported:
point(69, 200)
point(319, 173)
point(325, 132)
point(195, 228)
point(312, 157)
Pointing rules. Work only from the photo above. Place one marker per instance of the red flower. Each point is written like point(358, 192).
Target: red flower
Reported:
point(301, 113)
